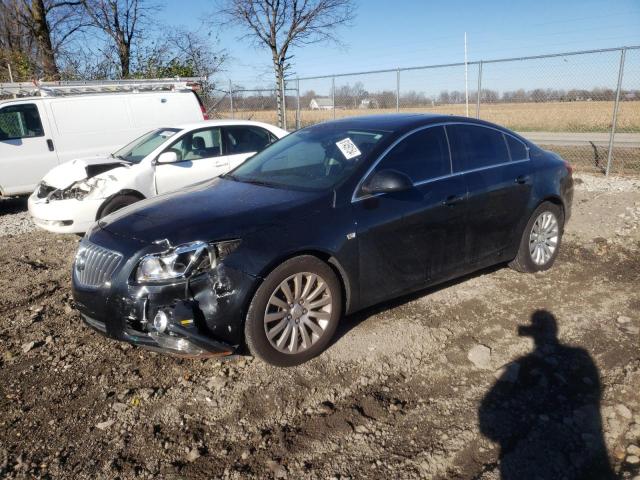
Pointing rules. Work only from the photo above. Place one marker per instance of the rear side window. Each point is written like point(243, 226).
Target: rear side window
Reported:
point(422, 155)
point(516, 148)
point(246, 139)
point(473, 146)
point(20, 121)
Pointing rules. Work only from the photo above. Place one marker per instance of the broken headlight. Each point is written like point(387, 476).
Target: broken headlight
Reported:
point(80, 190)
point(183, 261)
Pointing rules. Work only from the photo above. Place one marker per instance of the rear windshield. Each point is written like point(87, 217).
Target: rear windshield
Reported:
point(143, 146)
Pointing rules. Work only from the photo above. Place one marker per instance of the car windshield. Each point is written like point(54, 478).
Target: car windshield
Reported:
point(316, 158)
point(144, 145)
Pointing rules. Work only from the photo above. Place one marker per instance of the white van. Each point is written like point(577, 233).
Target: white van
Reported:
point(40, 132)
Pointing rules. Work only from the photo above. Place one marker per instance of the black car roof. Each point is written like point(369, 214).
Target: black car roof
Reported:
point(397, 122)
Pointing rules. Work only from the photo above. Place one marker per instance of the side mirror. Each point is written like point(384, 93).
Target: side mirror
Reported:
point(167, 157)
point(387, 181)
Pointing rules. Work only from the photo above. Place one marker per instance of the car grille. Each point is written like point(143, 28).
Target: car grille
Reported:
point(94, 265)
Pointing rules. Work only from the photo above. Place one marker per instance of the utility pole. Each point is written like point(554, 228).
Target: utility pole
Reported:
point(466, 77)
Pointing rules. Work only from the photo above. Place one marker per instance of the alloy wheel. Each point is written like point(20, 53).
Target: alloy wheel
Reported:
point(298, 313)
point(543, 239)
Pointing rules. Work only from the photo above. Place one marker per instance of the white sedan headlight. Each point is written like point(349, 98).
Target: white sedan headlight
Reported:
point(182, 262)
point(91, 187)
point(88, 188)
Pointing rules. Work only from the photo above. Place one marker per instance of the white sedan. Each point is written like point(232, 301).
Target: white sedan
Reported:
point(72, 196)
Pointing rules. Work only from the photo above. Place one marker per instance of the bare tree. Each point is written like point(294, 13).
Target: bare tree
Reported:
point(38, 29)
point(123, 21)
point(282, 24)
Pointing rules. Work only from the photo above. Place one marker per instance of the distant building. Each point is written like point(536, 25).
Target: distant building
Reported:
point(369, 103)
point(321, 103)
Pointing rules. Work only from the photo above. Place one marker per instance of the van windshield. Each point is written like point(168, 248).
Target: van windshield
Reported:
point(143, 146)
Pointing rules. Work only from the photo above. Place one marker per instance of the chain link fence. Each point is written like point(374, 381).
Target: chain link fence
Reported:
point(584, 105)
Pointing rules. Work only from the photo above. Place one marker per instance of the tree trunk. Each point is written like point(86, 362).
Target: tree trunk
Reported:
point(43, 37)
point(124, 54)
point(279, 70)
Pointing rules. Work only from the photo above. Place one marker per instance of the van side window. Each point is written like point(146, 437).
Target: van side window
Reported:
point(245, 139)
point(199, 144)
point(20, 121)
point(516, 148)
point(423, 155)
point(474, 146)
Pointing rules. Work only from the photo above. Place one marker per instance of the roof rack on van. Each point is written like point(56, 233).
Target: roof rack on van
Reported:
point(48, 89)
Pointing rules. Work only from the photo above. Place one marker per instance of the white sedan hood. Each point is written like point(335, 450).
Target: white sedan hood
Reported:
point(73, 171)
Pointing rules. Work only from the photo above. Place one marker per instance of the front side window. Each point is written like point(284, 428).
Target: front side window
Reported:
point(246, 139)
point(200, 144)
point(474, 146)
point(315, 158)
point(423, 155)
point(20, 121)
point(143, 146)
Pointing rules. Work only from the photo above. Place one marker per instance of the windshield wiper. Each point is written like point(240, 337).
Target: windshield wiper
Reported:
point(120, 157)
point(256, 182)
point(228, 176)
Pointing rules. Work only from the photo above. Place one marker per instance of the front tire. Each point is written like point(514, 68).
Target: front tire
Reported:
point(294, 313)
point(540, 240)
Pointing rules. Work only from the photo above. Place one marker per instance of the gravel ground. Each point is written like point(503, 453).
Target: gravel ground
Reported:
point(468, 380)
point(14, 218)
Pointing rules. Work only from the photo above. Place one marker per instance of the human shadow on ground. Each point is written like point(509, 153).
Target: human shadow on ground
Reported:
point(544, 411)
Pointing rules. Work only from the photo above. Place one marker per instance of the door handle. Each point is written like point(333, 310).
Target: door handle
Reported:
point(50, 145)
point(522, 179)
point(453, 200)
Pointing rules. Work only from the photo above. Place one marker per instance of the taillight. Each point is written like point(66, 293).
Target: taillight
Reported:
point(205, 116)
point(569, 167)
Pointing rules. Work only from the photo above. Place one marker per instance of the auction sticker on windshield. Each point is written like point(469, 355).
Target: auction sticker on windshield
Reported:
point(348, 148)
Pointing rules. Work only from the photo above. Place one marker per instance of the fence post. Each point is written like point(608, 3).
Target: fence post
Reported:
point(398, 90)
point(231, 98)
point(479, 93)
point(612, 134)
point(284, 104)
point(333, 96)
point(297, 104)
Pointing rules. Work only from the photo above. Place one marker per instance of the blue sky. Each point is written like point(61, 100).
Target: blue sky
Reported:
point(403, 33)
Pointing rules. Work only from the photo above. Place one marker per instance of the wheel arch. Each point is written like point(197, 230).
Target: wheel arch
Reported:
point(324, 256)
point(555, 199)
point(125, 191)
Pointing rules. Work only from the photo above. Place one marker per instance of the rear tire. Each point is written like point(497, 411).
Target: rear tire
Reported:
point(540, 240)
point(294, 313)
point(116, 203)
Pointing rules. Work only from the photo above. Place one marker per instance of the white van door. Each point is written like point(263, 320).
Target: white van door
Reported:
point(27, 151)
point(200, 157)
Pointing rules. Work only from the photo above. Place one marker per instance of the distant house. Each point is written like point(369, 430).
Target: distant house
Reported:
point(369, 103)
point(321, 103)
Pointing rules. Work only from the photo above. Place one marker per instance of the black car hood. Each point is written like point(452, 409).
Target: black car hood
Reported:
point(222, 209)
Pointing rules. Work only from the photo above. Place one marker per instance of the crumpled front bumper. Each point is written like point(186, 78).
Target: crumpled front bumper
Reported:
point(63, 216)
point(125, 312)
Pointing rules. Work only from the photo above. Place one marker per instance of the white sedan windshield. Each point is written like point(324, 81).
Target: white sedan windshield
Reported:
point(144, 145)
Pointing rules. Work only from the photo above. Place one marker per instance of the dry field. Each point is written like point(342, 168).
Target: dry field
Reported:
point(541, 117)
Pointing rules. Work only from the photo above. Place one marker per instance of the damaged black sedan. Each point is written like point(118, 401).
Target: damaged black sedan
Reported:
point(327, 221)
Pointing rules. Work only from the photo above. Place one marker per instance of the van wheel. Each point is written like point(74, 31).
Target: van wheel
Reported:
point(294, 313)
point(540, 240)
point(116, 203)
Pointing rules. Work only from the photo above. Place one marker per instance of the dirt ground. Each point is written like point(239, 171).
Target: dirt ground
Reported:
point(448, 383)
